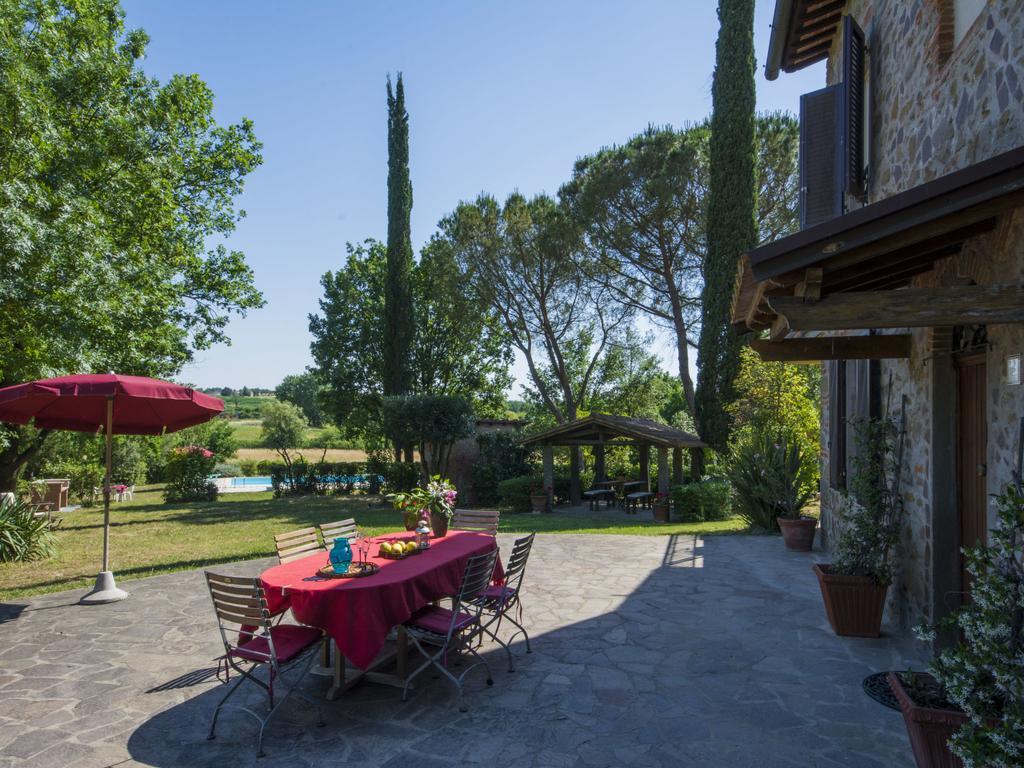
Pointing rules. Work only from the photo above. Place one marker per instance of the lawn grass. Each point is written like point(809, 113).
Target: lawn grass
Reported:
point(148, 537)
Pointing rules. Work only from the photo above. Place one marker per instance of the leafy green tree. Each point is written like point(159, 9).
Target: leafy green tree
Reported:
point(347, 348)
point(399, 322)
point(284, 428)
point(459, 347)
point(641, 207)
point(731, 228)
point(433, 423)
point(524, 259)
point(302, 390)
point(110, 186)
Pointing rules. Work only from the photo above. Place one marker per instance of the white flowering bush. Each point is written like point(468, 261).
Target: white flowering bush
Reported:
point(984, 674)
point(872, 505)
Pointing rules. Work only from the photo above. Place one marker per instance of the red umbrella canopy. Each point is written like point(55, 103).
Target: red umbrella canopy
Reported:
point(142, 406)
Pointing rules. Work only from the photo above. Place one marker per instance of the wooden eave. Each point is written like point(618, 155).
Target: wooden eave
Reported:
point(879, 247)
point(608, 430)
point(802, 33)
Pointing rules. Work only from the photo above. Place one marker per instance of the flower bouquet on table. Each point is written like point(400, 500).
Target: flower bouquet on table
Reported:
point(436, 502)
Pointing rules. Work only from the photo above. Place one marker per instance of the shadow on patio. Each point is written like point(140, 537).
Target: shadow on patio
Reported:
point(646, 651)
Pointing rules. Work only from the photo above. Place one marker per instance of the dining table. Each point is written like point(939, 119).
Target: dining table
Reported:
point(359, 613)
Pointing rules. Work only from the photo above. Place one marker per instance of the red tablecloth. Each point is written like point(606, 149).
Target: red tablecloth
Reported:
point(359, 613)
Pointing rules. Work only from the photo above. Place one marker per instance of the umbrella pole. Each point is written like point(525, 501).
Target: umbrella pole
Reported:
point(106, 590)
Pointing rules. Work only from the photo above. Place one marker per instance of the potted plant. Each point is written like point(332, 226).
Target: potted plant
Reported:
point(974, 714)
point(792, 492)
point(436, 500)
point(854, 587)
point(539, 496)
point(660, 508)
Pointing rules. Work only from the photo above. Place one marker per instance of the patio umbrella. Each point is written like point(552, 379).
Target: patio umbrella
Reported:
point(115, 405)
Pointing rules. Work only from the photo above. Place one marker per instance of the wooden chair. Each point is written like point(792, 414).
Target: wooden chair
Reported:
point(251, 640)
point(295, 544)
point(482, 520)
point(336, 530)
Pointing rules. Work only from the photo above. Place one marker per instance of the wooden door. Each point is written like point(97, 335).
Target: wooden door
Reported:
point(972, 442)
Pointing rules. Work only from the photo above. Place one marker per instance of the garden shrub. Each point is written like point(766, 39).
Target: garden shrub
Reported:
point(322, 477)
point(23, 536)
point(513, 494)
point(187, 473)
point(249, 467)
point(401, 476)
point(127, 461)
point(770, 478)
point(709, 499)
point(502, 456)
point(227, 470)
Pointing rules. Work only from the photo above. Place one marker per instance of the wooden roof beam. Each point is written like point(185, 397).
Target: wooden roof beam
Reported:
point(833, 348)
point(910, 308)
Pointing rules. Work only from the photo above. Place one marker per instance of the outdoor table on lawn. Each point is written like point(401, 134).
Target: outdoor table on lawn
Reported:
point(359, 613)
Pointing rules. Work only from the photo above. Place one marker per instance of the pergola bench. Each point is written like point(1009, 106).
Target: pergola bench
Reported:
point(638, 499)
point(595, 495)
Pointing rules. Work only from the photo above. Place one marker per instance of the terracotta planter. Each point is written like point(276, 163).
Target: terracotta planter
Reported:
point(854, 604)
point(660, 510)
point(798, 534)
point(439, 524)
point(929, 729)
point(539, 502)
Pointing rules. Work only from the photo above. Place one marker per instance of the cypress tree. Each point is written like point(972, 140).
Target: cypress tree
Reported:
point(398, 309)
point(731, 229)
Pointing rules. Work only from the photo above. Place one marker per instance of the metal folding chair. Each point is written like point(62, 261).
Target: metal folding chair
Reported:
point(241, 609)
point(295, 544)
point(456, 628)
point(337, 529)
point(481, 520)
point(499, 602)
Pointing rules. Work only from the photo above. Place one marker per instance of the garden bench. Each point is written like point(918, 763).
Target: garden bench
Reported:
point(595, 495)
point(638, 499)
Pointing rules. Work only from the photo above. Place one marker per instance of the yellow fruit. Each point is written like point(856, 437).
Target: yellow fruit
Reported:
point(385, 548)
point(411, 546)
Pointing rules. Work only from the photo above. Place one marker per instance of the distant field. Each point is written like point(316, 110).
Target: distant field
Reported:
point(248, 433)
point(311, 454)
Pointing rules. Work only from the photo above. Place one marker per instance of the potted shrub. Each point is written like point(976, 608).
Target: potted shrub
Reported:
point(660, 508)
point(972, 712)
point(539, 496)
point(773, 484)
point(855, 585)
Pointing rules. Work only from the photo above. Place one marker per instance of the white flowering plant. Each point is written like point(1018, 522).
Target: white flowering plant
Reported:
point(872, 505)
point(983, 675)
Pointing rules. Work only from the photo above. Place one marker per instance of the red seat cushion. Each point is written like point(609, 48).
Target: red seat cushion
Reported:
point(289, 641)
point(437, 620)
point(498, 594)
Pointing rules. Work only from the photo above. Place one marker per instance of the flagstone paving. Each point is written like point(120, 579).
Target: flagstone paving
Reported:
point(647, 651)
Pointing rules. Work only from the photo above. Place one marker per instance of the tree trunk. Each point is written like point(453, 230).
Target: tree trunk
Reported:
point(19, 451)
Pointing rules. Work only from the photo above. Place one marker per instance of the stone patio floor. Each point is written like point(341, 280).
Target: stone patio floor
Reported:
point(646, 651)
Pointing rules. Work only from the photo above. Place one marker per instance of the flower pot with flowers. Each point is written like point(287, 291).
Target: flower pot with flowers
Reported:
point(854, 586)
point(970, 710)
point(436, 501)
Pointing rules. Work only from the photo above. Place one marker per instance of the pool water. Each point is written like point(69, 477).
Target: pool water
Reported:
point(240, 481)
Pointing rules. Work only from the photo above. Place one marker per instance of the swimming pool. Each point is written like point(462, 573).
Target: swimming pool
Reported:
point(240, 481)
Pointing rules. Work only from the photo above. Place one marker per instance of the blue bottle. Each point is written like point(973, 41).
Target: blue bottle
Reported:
point(341, 555)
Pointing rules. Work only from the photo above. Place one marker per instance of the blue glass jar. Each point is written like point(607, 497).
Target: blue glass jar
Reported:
point(341, 555)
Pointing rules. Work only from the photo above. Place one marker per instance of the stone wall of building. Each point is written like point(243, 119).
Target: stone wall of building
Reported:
point(934, 112)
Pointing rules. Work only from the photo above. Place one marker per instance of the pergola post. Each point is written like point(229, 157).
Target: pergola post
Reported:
point(599, 470)
point(547, 453)
point(645, 465)
point(677, 466)
point(662, 469)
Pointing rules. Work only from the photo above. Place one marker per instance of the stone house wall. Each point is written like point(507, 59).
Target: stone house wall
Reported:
point(935, 110)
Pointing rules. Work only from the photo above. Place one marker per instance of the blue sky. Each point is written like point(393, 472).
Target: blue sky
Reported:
point(501, 97)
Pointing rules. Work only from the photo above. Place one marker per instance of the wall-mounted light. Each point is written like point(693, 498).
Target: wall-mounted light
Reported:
point(1013, 370)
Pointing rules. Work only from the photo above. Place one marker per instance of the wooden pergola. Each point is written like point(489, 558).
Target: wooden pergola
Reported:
point(601, 431)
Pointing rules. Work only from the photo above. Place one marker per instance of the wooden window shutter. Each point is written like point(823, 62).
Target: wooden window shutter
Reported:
point(821, 194)
point(853, 107)
point(837, 423)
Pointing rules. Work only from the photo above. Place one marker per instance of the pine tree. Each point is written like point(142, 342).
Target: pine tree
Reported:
point(731, 229)
point(399, 322)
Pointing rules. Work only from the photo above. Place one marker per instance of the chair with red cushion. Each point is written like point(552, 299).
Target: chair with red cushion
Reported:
point(499, 601)
point(435, 630)
point(242, 613)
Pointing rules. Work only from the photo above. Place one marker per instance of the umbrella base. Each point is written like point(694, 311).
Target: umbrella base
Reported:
point(105, 591)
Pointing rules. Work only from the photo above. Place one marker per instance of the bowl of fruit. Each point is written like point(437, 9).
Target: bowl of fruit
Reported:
point(396, 550)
